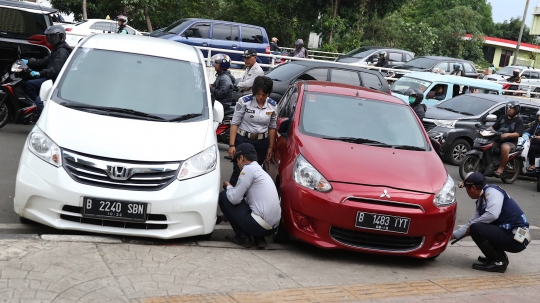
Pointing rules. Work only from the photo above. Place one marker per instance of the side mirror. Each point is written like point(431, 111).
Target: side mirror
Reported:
point(375, 60)
point(283, 127)
point(218, 111)
point(188, 33)
point(45, 90)
point(491, 118)
point(477, 125)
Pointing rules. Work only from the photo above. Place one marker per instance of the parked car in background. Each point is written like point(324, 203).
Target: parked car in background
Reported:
point(428, 63)
point(85, 167)
point(339, 160)
point(528, 76)
point(22, 25)
point(455, 120)
point(452, 86)
point(76, 32)
point(218, 34)
point(369, 55)
point(286, 74)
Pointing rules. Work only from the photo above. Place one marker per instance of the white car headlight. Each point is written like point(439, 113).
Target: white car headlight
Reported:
point(44, 148)
point(446, 123)
point(447, 195)
point(306, 175)
point(200, 164)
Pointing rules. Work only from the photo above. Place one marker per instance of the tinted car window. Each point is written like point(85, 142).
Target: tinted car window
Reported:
point(201, 30)
point(499, 112)
point(443, 66)
point(397, 57)
point(468, 68)
point(325, 115)
point(361, 52)
point(225, 32)
point(423, 63)
point(105, 26)
point(177, 89)
point(507, 70)
point(285, 71)
point(467, 105)
point(319, 74)
point(408, 57)
point(21, 24)
point(130, 30)
point(404, 83)
point(345, 76)
point(177, 27)
point(528, 114)
point(252, 35)
point(371, 81)
point(534, 75)
point(282, 105)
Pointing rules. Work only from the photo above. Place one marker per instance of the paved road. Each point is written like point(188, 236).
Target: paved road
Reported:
point(12, 139)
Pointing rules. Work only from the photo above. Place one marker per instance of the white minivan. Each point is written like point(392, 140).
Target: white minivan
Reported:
point(126, 143)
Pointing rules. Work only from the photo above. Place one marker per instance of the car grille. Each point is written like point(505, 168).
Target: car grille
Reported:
point(428, 124)
point(385, 203)
point(381, 242)
point(113, 223)
point(119, 174)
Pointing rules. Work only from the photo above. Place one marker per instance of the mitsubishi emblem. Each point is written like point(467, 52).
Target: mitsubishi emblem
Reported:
point(118, 172)
point(385, 194)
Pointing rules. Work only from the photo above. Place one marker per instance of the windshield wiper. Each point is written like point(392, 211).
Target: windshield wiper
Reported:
point(114, 110)
point(357, 140)
point(184, 117)
point(409, 147)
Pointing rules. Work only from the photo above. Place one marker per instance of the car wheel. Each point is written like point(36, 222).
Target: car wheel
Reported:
point(457, 151)
point(26, 221)
point(512, 176)
point(468, 165)
point(4, 115)
point(281, 236)
point(205, 237)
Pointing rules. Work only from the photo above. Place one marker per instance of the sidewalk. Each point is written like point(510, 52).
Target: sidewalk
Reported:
point(57, 268)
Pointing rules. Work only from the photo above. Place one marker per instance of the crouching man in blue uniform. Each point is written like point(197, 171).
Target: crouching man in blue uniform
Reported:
point(498, 224)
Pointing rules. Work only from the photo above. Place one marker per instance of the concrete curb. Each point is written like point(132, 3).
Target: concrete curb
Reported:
point(81, 238)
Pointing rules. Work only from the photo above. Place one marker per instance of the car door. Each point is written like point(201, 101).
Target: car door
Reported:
point(197, 35)
point(371, 81)
point(226, 36)
point(285, 112)
point(252, 37)
point(395, 59)
point(444, 66)
point(528, 114)
point(469, 70)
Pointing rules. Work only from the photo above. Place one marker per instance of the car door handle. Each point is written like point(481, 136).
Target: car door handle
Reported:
point(205, 44)
point(234, 46)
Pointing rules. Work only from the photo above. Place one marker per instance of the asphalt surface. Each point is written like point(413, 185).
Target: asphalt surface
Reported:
point(12, 138)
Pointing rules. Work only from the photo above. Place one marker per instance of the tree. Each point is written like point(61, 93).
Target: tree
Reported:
point(510, 30)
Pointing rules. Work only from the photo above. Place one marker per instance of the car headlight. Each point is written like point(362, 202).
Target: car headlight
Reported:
point(306, 175)
point(447, 195)
point(44, 148)
point(446, 123)
point(200, 164)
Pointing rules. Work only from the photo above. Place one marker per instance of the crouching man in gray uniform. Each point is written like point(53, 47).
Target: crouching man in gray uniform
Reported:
point(252, 206)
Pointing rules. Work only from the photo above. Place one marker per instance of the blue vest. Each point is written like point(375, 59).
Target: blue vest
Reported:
point(511, 214)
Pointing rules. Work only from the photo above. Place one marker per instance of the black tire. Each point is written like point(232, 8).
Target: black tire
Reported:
point(205, 237)
point(4, 115)
point(26, 221)
point(516, 165)
point(456, 152)
point(470, 163)
point(225, 136)
point(281, 236)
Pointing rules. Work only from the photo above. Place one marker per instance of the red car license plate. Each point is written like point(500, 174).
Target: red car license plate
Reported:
point(382, 222)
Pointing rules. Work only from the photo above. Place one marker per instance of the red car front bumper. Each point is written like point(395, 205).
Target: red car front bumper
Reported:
point(328, 220)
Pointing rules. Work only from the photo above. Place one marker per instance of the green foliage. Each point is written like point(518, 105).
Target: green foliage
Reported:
point(510, 30)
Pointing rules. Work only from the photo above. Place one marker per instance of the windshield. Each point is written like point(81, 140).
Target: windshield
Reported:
point(467, 104)
point(176, 27)
point(422, 63)
point(404, 83)
point(332, 116)
point(285, 71)
point(507, 71)
point(361, 52)
point(162, 87)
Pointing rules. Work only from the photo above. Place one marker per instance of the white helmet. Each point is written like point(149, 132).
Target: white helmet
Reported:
point(122, 18)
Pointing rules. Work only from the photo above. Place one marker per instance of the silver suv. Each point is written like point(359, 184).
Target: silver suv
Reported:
point(528, 76)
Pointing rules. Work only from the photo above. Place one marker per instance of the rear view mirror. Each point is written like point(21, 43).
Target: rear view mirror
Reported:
point(283, 127)
point(491, 118)
point(188, 33)
point(218, 111)
point(45, 90)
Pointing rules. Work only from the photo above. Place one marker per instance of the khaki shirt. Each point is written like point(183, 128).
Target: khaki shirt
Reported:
point(252, 118)
point(246, 82)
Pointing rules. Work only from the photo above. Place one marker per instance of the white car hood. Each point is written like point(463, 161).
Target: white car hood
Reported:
point(121, 138)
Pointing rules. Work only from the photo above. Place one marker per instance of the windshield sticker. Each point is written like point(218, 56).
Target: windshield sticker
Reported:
point(80, 58)
point(197, 73)
point(312, 98)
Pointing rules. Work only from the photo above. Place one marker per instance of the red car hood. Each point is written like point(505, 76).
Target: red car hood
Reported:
point(340, 161)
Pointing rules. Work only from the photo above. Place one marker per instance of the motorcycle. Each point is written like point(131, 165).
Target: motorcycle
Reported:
point(523, 141)
point(14, 103)
point(482, 159)
point(436, 140)
point(223, 130)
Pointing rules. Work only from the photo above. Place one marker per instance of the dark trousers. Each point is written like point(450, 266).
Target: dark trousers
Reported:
point(534, 152)
point(499, 238)
point(31, 88)
point(240, 218)
point(261, 146)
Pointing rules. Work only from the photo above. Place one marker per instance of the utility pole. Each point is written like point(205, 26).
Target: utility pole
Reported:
point(521, 33)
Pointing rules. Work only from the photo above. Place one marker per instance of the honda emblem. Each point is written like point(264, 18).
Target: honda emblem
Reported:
point(118, 172)
point(385, 194)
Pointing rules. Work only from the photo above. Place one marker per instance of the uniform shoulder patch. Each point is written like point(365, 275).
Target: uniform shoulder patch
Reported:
point(272, 102)
point(238, 107)
point(247, 98)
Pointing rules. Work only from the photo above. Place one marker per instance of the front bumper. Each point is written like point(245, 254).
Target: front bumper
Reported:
point(328, 220)
point(48, 195)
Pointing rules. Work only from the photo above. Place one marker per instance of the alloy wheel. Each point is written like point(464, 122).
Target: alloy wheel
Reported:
point(459, 152)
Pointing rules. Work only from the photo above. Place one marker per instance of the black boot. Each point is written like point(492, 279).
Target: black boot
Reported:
point(485, 260)
point(260, 242)
point(497, 261)
point(243, 240)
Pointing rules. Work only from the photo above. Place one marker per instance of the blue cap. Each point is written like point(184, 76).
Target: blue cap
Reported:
point(250, 52)
point(474, 178)
point(244, 149)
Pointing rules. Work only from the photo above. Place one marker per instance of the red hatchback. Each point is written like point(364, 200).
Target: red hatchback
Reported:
point(356, 171)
